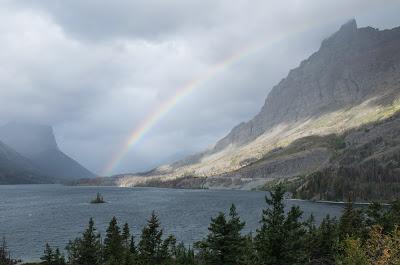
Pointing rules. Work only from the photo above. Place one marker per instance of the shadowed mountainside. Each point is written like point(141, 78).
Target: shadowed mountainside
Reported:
point(351, 66)
point(353, 80)
point(16, 169)
point(37, 144)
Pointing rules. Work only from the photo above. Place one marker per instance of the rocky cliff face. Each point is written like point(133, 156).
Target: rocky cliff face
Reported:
point(353, 80)
point(351, 65)
point(37, 143)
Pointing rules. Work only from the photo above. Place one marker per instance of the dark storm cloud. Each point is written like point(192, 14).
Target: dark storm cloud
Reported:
point(95, 69)
point(104, 19)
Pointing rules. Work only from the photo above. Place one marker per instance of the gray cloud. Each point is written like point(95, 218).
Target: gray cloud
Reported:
point(104, 20)
point(95, 69)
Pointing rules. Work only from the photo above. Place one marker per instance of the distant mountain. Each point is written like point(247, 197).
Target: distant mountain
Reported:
point(16, 169)
point(37, 144)
point(336, 112)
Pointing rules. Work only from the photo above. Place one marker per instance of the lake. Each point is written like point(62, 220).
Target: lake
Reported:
point(31, 215)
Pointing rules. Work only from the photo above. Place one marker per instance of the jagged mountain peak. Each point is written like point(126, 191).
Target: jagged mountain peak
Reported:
point(348, 27)
point(343, 37)
point(346, 69)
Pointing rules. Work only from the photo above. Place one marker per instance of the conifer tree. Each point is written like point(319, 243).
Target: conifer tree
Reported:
point(73, 251)
point(150, 242)
point(184, 256)
point(325, 242)
point(47, 257)
point(280, 240)
point(129, 248)
point(270, 237)
point(5, 258)
point(113, 245)
point(351, 222)
point(235, 241)
point(126, 235)
point(393, 216)
point(375, 214)
point(132, 246)
point(295, 251)
point(213, 249)
point(89, 246)
point(58, 258)
point(168, 250)
point(224, 243)
point(52, 257)
point(249, 256)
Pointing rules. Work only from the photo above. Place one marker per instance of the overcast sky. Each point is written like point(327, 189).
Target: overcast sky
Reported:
point(94, 69)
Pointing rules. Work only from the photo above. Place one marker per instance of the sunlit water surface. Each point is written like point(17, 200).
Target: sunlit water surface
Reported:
point(31, 215)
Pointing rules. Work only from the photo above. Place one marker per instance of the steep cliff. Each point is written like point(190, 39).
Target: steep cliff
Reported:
point(37, 143)
point(351, 66)
point(16, 169)
point(351, 81)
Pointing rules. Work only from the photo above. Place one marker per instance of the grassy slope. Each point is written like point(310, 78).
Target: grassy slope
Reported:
point(285, 138)
point(365, 164)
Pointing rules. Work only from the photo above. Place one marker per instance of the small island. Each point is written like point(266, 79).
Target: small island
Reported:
point(99, 199)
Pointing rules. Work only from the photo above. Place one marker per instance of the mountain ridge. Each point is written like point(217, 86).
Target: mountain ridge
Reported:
point(352, 80)
point(37, 145)
point(16, 169)
point(334, 46)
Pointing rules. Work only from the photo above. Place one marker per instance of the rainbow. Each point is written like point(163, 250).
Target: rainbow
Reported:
point(147, 124)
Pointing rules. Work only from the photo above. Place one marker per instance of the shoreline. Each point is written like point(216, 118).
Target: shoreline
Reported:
point(358, 203)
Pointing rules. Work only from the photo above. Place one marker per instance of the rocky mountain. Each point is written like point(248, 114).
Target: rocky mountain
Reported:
point(37, 144)
point(351, 66)
point(365, 167)
point(16, 169)
point(307, 121)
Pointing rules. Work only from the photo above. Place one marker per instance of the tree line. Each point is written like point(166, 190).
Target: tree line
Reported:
point(358, 237)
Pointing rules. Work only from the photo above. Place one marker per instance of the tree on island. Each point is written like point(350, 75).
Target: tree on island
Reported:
point(99, 199)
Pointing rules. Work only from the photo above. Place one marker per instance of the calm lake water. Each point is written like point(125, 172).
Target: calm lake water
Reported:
point(31, 215)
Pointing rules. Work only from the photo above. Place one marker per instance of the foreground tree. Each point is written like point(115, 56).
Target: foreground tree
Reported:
point(113, 244)
point(224, 244)
point(129, 248)
point(378, 249)
point(236, 242)
point(281, 239)
point(358, 238)
point(52, 257)
point(87, 249)
point(352, 222)
point(324, 242)
point(383, 248)
point(150, 242)
point(5, 256)
point(393, 215)
point(353, 253)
